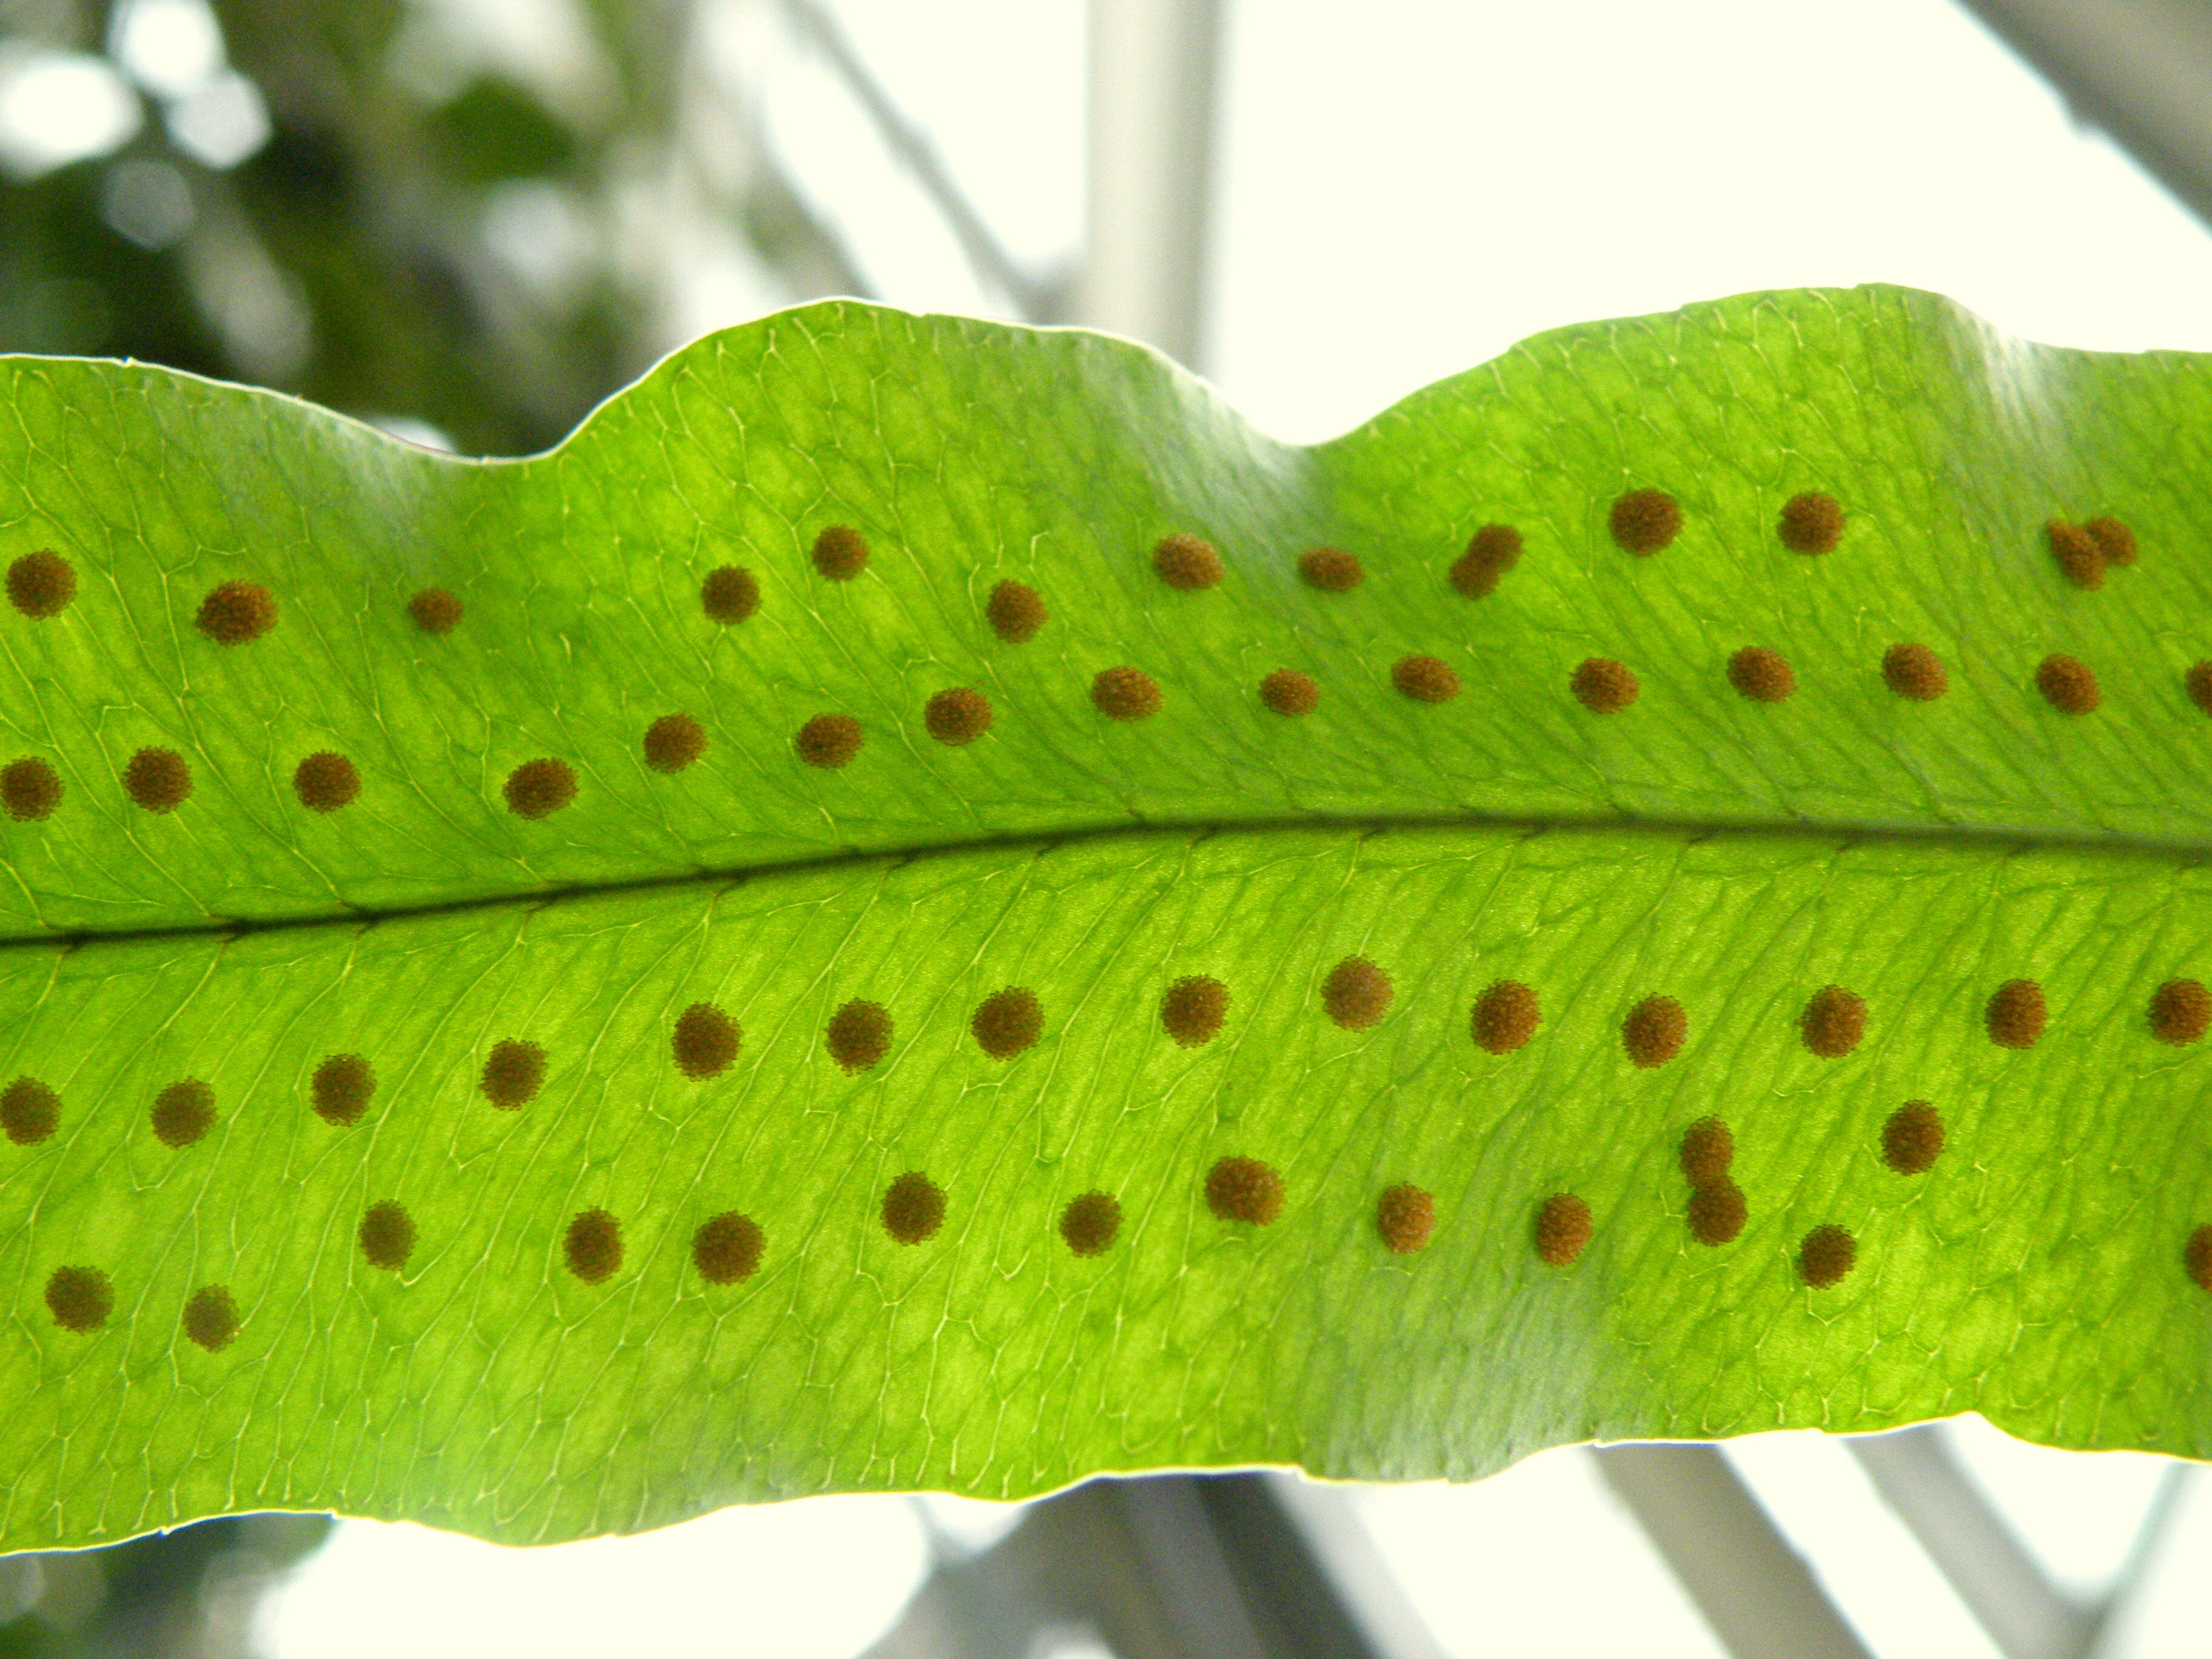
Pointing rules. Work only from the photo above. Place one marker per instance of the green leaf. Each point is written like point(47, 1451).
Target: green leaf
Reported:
point(521, 1373)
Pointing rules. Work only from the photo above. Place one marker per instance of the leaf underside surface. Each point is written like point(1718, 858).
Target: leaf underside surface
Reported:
point(471, 1287)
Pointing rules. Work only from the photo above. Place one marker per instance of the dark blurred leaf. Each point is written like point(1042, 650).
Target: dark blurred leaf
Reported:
point(68, 284)
point(180, 1593)
point(495, 129)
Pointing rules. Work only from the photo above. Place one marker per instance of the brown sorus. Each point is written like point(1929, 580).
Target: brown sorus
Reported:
point(183, 1113)
point(1125, 694)
point(1812, 522)
point(1654, 1030)
point(1718, 1212)
point(30, 789)
point(2080, 560)
point(1604, 686)
point(1425, 679)
point(1913, 1139)
point(958, 716)
point(1505, 1015)
point(1562, 1229)
point(592, 1246)
point(914, 1208)
point(2180, 1010)
point(211, 1318)
point(30, 1111)
point(387, 1235)
point(41, 584)
point(2196, 1258)
point(858, 1035)
point(1494, 549)
point(1244, 1189)
point(2114, 539)
point(674, 742)
point(1015, 610)
point(1644, 520)
point(1357, 993)
point(2015, 1014)
point(236, 612)
point(840, 553)
point(1289, 693)
point(1914, 671)
point(1191, 1011)
point(1331, 569)
point(512, 1074)
point(726, 1248)
point(705, 1041)
point(157, 779)
point(1707, 1149)
point(2197, 684)
point(1090, 1223)
point(1761, 675)
point(538, 788)
point(1827, 1254)
point(1404, 1216)
point(342, 1087)
point(729, 595)
point(829, 741)
point(1007, 1022)
point(435, 610)
point(80, 1299)
point(326, 780)
point(1833, 1022)
point(1186, 563)
point(2067, 683)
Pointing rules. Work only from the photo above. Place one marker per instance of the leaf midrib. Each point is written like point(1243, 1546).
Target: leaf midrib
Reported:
point(1995, 837)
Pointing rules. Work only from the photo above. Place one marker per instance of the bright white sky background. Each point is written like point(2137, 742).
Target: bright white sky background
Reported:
point(1406, 188)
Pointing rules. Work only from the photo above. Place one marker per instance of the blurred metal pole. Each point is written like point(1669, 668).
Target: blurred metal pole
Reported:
point(2111, 1626)
point(2139, 69)
point(1756, 1592)
point(1155, 72)
point(1364, 1585)
point(1174, 1566)
point(2163, 1587)
point(1036, 300)
point(2002, 1585)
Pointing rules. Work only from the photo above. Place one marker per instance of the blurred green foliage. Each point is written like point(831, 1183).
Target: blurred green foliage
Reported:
point(350, 257)
point(184, 1595)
